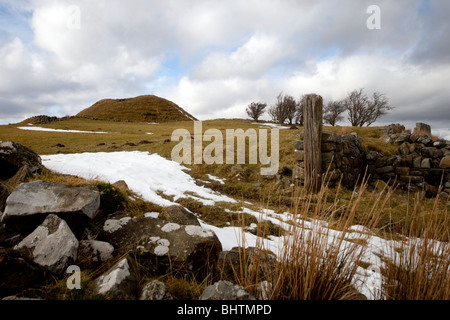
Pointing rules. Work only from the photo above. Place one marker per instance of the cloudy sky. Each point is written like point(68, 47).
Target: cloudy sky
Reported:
point(215, 57)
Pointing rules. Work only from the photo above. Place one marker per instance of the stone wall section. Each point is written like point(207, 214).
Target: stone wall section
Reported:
point(421, 162)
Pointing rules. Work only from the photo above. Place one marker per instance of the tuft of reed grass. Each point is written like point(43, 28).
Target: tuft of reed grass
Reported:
point(314, 261)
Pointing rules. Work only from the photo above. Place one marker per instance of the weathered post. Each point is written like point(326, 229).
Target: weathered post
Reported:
point(312, 115)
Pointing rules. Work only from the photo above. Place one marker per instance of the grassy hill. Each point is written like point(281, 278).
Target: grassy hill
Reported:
point(147, 108)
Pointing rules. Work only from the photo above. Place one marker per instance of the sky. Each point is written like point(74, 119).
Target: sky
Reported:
point(213, 58)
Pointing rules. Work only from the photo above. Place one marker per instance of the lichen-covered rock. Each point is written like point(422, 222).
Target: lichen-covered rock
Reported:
point(52, 245)
point(118, 281)
point(155, 290)
point(179, 215)
point(93, 252)
point(14, 156)
point(225, 290)
point(29, 204)
point(164, 243)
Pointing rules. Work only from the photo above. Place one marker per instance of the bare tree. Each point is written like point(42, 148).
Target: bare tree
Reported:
point(256, 110)
point(290, 106)
point(278, 112)
point(362, 110)
point(299, 111)
point(332, 113)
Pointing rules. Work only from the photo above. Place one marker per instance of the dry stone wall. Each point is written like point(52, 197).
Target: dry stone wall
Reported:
point(421, 162)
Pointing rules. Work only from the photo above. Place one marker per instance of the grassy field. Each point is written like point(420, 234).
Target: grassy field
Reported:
point(130, 136)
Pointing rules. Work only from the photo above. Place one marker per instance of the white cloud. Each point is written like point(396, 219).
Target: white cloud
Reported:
point(213, 58)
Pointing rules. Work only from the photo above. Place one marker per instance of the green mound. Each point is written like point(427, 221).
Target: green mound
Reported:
point(146, 108)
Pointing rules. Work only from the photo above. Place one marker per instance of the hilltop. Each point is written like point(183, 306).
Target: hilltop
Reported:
point(146, 108)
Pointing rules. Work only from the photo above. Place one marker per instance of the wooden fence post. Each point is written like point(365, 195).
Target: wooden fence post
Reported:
point(312, 115)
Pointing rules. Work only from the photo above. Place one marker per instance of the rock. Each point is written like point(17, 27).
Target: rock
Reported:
point(164, 244)
point(4, 193)
point(298, 144)
point(180, 215)
point(119, 281)
point(394, 128)
point(404, 148)
point(17, 274)
point(385, 169)
point(121, 184)
point(30, 203)
point(445, 162)
point(52, 245)
point(422, 128)
point(93, 252)
point(373, 155)
point(298, 173)
point(155, 290)
point(14, 156)
point(387, 139)
point(299, 155)
point(225, 290)
point(9, 238)
point(402, 171)
point(426, 163)
point(328, 146)
point(417, 162)
point(380, 185)
point(402, 137)
point(230, 262)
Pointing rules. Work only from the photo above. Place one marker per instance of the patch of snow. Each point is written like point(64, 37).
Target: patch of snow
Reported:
point(214, 178)
point(144, 173)
point(57, 130)
point(149, 133)
point(269, 124)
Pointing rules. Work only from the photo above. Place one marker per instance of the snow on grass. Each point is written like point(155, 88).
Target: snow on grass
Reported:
point(214, 178)
point(57, 130)
point(144, 173)
point(149, 175)
point(273, 125)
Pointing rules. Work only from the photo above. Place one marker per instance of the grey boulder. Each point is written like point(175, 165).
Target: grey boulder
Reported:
point(225, 290)
point(29, 204)
point(52, 245)
point(118, 281)
point(155, 290)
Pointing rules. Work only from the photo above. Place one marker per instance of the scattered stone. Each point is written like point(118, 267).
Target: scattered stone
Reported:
point(52, 245)
point(180, 215)
point(166, 244)
point(426, 163)
point(225, 290)
point(422, 128)
point(445, 162)
point(93, 252)
point(30, 203)
point(17, 274)
point(155, 290)
point(14, 156)
point(121, 184)
point(4, 194)
point(231, 261)
point(119, 281)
